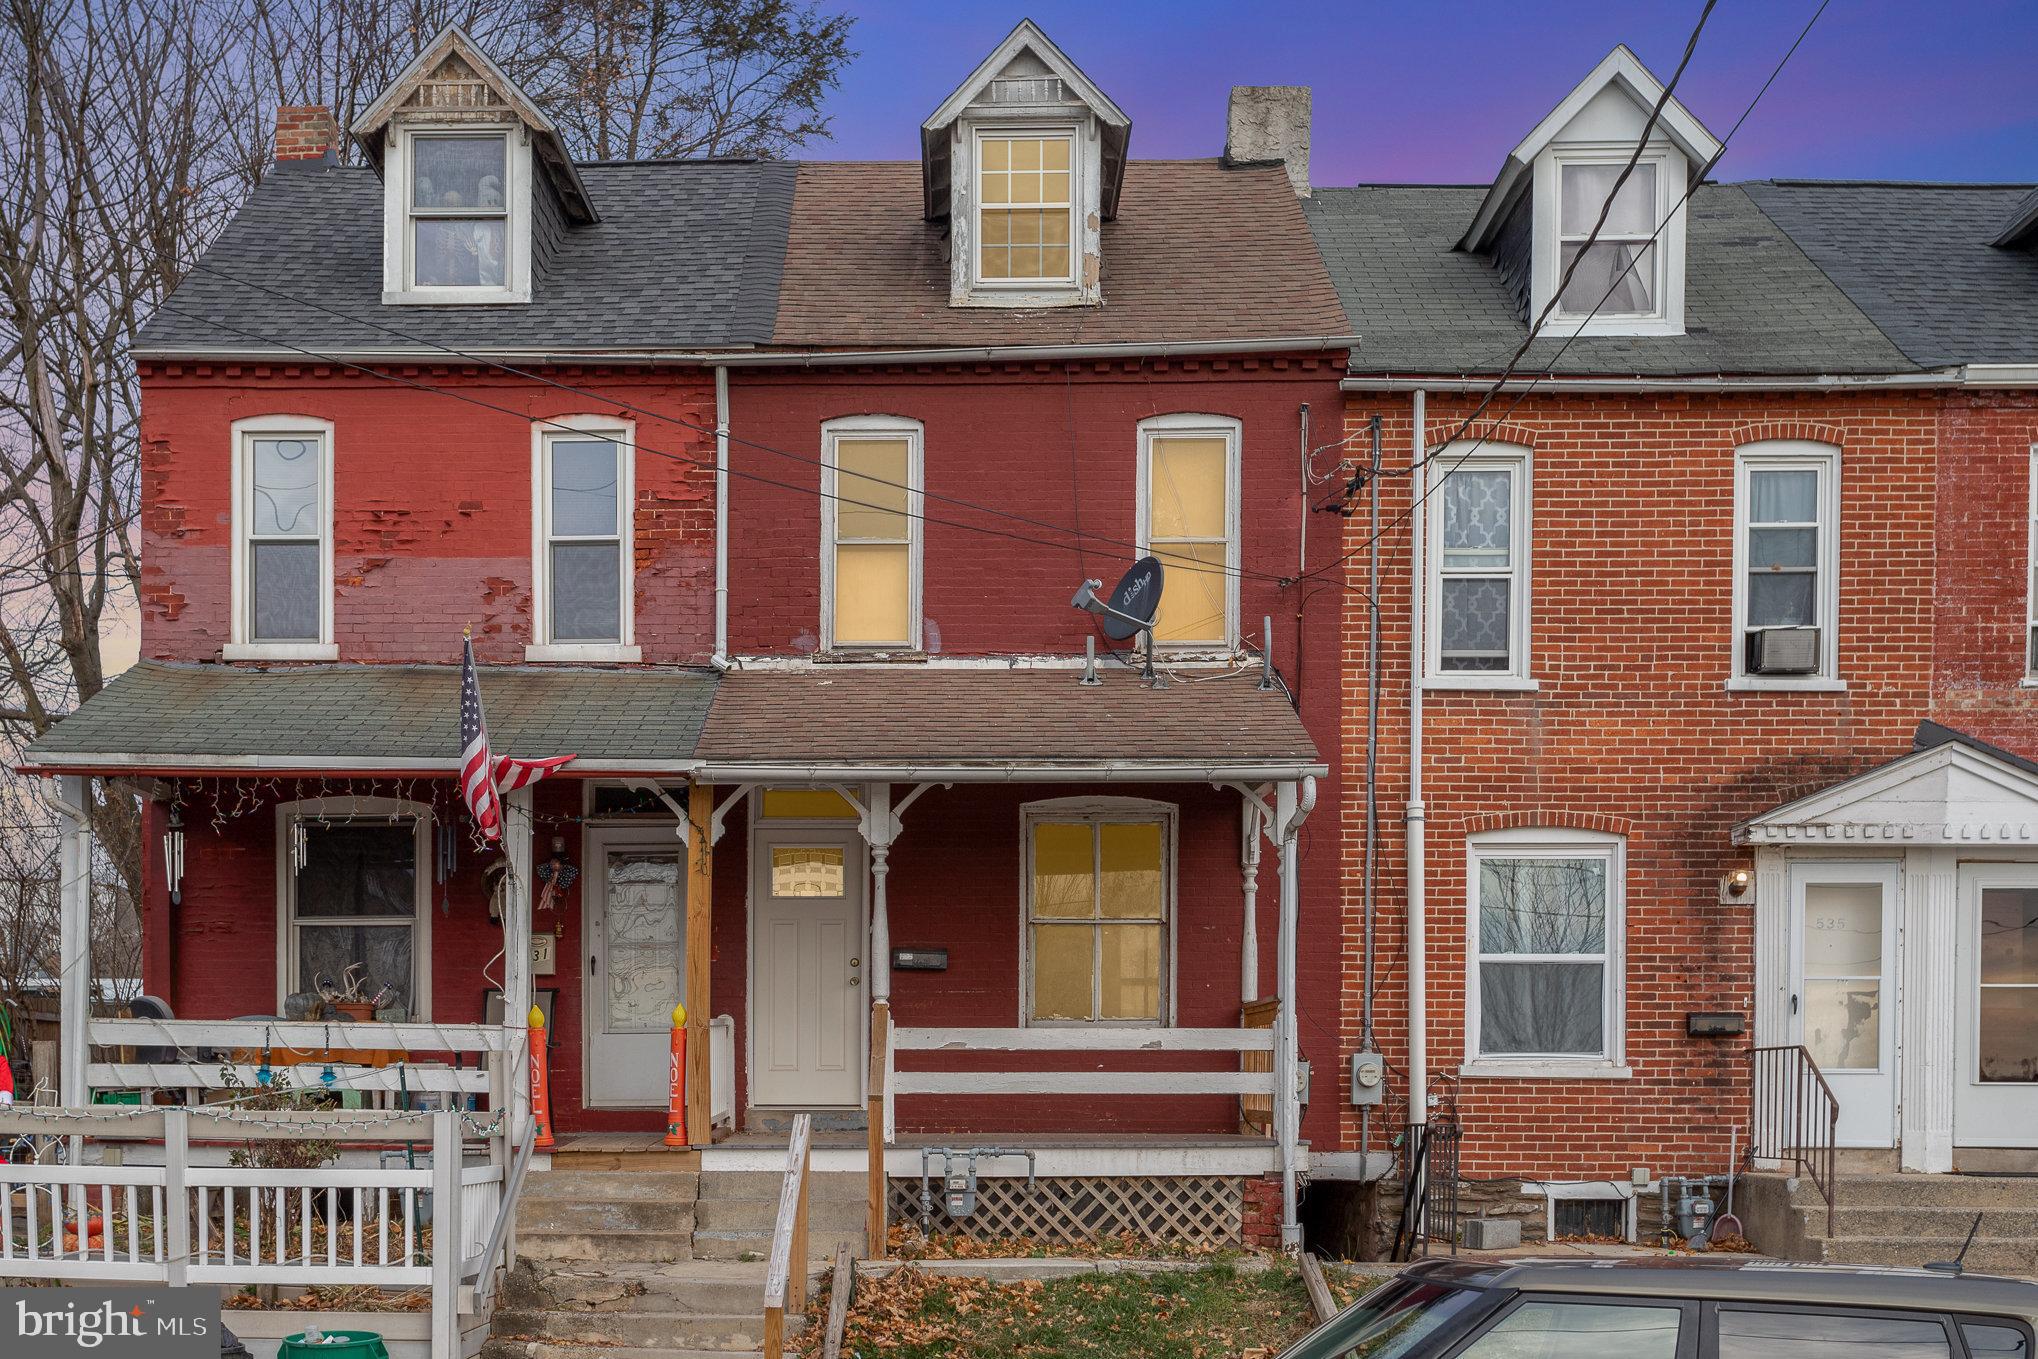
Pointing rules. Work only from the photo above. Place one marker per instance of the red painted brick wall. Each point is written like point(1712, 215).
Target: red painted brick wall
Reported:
point(432, 503)
point(1633, 729)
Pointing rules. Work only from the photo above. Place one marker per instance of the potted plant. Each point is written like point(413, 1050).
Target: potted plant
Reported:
point(350, 998)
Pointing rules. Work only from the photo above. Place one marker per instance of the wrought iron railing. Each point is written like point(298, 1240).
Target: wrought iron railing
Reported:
point(1429, 1187)
point(1795, 1117)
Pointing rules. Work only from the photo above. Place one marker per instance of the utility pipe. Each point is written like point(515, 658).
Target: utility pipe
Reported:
point(1418, 961)
point(1295, 804)
point(1372, 858)
point(720, 660)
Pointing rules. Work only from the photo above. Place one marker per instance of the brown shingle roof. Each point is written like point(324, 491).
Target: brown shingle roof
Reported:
point(992, 718)
point(1198, 251)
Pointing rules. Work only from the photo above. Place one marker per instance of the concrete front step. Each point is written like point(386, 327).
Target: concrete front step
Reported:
point(1988, 1255)
point(613, 1185)
point(1935, 1224)
point(765, 1184)
point(821, 1243)
point(712, 1287)
point(606, 1215)
point(761, 1215)
point(1973, 1192)
point(641, 1246)
point(737, 1331)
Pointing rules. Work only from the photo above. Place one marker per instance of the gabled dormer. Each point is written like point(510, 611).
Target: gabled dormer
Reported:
point(2021, 231)
point(474, 177)
point(1024, 160)
point(1541, 209)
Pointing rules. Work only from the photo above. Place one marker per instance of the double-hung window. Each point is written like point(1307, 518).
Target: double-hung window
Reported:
point(1188, 479)
point(1099, 884)
point(1786, 566)
point(354, 901)
point(457, 216)
point(1479, 567)
point(283, 540)
point(1616, 273)
point(584, 484)
point(1025, 208)
point(1544, 951)
point(870, 533)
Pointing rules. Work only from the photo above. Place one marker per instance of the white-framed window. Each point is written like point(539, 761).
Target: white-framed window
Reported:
point(1545, 989)
point(1097, 915)
point(457, 215)
point(1786, 566)
point(1189, 520)
point(282, 487)
point(1630, 278)
point(1479, 509)
point(353, 889)
point(1026, 186)
point(871, 468)
point(583, 490)
point(2031, 578)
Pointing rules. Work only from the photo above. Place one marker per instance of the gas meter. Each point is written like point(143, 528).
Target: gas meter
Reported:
point(958, 1180)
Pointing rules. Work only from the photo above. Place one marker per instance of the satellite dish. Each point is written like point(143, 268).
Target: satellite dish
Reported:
point(1132, 605)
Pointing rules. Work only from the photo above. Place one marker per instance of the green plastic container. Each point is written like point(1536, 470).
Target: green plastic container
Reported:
point(117, 1097)
point(348, 1345)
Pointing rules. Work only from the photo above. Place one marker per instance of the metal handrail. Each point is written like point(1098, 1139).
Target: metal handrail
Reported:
point(785, 1277)
point(1795, 1117)
point(512, 1189)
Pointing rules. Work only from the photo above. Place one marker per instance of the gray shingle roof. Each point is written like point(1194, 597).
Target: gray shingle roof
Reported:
point(1753, 303)
point(1919, 259)
point(168, 716)
point(687, 255)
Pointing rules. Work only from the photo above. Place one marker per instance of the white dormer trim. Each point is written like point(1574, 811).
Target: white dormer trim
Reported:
point(398, 238)
point(1026, 37)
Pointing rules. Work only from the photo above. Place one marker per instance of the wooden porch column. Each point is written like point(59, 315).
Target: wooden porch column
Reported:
point(880, 826)
point(1293, 803)
point(516, 957)
point(1249, 872)
point(700, 946)
point(74, 933)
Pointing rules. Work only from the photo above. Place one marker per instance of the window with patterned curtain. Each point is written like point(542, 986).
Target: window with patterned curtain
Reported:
point(1479, 509)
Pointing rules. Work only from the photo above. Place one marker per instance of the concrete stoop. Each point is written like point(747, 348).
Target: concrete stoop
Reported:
point(628, 1263)
point(1889, 1218)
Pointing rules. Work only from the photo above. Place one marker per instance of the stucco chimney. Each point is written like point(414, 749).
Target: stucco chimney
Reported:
point(1270, 122)
point(306, 132)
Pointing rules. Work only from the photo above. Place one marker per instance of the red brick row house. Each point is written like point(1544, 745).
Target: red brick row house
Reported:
point(1664, 619)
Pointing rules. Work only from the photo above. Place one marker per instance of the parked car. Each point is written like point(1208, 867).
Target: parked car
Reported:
point(1679, 1309)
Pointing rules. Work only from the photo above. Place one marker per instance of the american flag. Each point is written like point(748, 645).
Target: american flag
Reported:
point(483, 775)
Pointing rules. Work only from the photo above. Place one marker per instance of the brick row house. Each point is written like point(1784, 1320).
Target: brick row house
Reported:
point(1705, 722)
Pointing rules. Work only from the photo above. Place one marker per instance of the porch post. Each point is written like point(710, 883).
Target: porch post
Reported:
point(879, 827)
point(74, 933)
point(1249, 871)
point(516, 955)
point(700, 952)
point(1293, 803)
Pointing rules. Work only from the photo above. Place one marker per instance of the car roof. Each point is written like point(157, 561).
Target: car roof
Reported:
point(1748, 1281)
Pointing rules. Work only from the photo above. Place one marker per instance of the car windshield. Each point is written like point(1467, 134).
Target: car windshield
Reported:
point(1388, 1323)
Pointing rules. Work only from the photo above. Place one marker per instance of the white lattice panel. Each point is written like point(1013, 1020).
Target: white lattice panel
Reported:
point(1190, 1209)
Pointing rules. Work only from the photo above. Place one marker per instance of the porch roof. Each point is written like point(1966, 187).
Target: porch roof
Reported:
point(175, 718)
point(971, 724)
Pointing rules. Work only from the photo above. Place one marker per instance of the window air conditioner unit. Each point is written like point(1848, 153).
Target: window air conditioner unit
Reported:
point(1783, 651)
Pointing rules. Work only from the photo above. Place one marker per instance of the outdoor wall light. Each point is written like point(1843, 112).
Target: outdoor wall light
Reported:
point(1738, 885)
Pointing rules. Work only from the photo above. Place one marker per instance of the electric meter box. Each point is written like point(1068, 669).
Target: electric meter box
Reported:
point(1369, 1078)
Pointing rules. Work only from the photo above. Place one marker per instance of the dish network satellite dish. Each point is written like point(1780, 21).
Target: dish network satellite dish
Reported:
point(1131, 607)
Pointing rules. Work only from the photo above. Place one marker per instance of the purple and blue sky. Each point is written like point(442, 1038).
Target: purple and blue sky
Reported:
point(1438, 92)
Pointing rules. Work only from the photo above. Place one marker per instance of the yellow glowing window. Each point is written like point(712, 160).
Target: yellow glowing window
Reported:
point(1025, 211)
point(806, 804)
point(874, 541)
point(1096, 920)
point(1189, 529)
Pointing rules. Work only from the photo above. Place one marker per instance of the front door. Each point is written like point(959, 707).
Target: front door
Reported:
point(635, 917)
point(806, 969)
point(1995, 1086)
point(1843, 989)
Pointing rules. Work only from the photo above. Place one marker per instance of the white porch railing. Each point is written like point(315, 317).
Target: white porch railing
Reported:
point(309, 1047)
point(442, 1226)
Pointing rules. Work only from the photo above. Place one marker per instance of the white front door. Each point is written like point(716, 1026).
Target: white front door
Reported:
point(634, 920)
point(1995, 1083)
point(806, 969)
point(1843, 989)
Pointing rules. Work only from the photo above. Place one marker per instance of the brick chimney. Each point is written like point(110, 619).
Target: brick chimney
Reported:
point(1269, 123)
point(306, 132)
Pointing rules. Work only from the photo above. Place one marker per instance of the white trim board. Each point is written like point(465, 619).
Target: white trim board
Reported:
point(1156, 1157)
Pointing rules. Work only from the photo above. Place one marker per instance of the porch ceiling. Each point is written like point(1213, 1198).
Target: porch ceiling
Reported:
point(1005, 723)
point(162, 717)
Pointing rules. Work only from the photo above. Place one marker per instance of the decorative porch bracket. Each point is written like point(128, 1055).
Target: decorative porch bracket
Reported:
point(1256, 820)
point(717, 822)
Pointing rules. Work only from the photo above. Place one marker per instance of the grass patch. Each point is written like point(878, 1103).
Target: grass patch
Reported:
point(1210, 1313)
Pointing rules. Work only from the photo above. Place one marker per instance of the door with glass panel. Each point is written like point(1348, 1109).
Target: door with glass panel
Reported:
point(807, 1016)
point(1843, 989)
point(635, 923)
point(1995, 1090)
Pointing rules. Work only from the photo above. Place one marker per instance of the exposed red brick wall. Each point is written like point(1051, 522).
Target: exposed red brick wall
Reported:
point(1632, 729)
point(1262, 1213)
point(432, 504)
point(305, 132)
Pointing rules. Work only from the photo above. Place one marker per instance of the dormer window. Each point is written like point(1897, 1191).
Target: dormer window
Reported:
point(459, 210)
point(1616, 273)
point(1025, 208)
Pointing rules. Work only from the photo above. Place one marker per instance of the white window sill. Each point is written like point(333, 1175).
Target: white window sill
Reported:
point(280, 651)
point(1515, 684)
point(2029, 682)
point(1547, 1068)
point(454, 297)
point(1559, 324)
point(583, 651)
point(994, 295)
point(1785, 684)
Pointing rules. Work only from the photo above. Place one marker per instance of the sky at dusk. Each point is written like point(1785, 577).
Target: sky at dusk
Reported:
point(1438, 92)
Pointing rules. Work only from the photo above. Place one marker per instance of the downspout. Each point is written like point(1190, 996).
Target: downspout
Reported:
point(1299, 803)
point(720, 660)
point(1372, 860)
point(1418, 973)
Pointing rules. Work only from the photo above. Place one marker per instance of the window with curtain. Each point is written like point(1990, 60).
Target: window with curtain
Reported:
point(1479, 600)
point(870, 518)
point(1191, 484)
point(1098, 888)
point(459, 210)
point(354, 902)
point(586, 535)
point(2031, 573)
point(1025, 208)
point(284, 518)
point(1616, 273)
point(1788, 546)
point(1545, 945)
